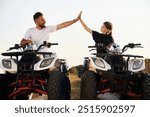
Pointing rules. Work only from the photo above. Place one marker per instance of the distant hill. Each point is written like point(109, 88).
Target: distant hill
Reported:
point(77, 70)
point(147, 65)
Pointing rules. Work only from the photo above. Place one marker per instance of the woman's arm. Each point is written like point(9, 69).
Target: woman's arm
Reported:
point(85, 26)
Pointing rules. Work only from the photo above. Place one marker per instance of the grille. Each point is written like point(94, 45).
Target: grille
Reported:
point(119, 69)
point(25, 67)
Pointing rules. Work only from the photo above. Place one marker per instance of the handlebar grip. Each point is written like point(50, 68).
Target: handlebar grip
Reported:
point(91, 46)
point(17, 46)
point(134, 44)
point(137, 44)
point(54, 43)
point(11, 48)
point(44, 42)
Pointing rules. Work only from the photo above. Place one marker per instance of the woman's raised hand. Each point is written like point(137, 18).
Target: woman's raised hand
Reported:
point(79, 16)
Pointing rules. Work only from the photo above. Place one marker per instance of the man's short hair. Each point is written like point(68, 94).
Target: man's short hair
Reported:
point(37, 15)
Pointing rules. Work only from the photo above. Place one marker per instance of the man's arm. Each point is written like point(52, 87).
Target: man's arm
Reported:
point(66, 24)
point(26, 39)
point(25, 42)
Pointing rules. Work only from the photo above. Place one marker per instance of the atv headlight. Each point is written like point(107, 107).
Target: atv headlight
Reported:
point(46, 62)
point(99, 63)
point(137, 64)
point(7, 63)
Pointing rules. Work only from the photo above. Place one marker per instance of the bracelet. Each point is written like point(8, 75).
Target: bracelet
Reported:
point(74, 20)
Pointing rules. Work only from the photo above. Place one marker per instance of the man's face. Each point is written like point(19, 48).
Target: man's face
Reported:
point(40, 21)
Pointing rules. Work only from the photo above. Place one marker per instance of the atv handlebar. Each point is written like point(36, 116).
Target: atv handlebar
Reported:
point(48, 44)
point(17, 46)
point(97, 45)
point(131, 45)
point(91, 46)
point(45, 44)
point(54, 43)
point(119, 55)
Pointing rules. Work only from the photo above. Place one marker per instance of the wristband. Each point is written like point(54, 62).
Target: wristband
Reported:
point(74, 20)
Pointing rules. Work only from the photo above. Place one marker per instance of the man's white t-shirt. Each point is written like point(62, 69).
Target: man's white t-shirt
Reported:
point(38, 36)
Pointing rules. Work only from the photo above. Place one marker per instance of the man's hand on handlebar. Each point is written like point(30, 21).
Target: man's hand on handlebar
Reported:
point(25, 42)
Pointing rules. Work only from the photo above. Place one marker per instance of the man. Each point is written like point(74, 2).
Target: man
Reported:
point(41, 32)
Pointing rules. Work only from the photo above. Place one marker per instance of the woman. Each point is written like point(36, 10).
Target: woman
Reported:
point(105, 37)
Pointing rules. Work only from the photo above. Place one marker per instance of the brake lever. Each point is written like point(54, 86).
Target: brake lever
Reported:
point(44, 43)
point(92, 50)
point(17, 46)
point(138, 46)
point(48, 45)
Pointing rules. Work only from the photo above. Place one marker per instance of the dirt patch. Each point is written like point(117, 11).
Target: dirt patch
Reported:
point(75, 87)
point(147, 65)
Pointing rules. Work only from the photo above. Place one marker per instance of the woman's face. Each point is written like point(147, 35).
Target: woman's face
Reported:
point(104, 30)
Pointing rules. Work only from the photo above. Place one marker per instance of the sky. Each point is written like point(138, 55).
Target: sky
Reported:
point(130, 18)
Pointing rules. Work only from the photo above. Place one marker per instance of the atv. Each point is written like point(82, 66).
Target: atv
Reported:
point(30, 71)
point(111, 71)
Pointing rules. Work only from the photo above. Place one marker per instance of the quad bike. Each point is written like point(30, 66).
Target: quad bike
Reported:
point(112, 71)
point(31, 71)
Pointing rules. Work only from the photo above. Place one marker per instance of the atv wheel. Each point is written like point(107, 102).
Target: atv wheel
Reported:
point(58, 86)
point(5, 81)
point(3, 87)
point(146, 87)
point(88, 86)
